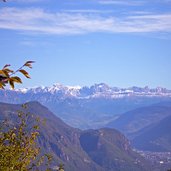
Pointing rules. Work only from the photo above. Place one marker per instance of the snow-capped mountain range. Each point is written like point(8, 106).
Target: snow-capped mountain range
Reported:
point(96, 90)
point(88, 107)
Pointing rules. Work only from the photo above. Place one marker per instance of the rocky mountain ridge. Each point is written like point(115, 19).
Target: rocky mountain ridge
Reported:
point(97, 90)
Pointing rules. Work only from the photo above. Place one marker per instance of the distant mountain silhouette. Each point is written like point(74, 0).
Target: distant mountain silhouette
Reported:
point(130, 123)
point(147, 127)
point(88, 107)
point(156, 137)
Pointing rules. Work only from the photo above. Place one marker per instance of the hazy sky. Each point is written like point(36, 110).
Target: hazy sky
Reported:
point(81, 42)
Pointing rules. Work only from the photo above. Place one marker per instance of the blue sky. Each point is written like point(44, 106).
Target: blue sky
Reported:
point(81, 42)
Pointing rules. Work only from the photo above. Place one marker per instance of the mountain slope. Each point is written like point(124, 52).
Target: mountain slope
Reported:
point(156, 137)
point(111, 150)
point(68, 144)
point(130, 123)
point(56, 137)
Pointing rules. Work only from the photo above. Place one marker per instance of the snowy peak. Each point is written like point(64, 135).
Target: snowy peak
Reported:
point(97, 90)
point(56, 88)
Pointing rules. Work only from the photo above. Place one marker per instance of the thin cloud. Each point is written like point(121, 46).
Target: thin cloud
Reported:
point(133, 2)
point(121, 2)
point(25, 1)
point(64, 23)
point(88, 11)
point(162, 1)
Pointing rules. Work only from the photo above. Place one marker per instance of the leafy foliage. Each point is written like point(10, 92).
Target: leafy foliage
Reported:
point(8, 76)
point(18, 147)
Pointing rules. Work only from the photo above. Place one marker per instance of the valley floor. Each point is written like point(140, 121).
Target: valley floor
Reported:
point(161, 161)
